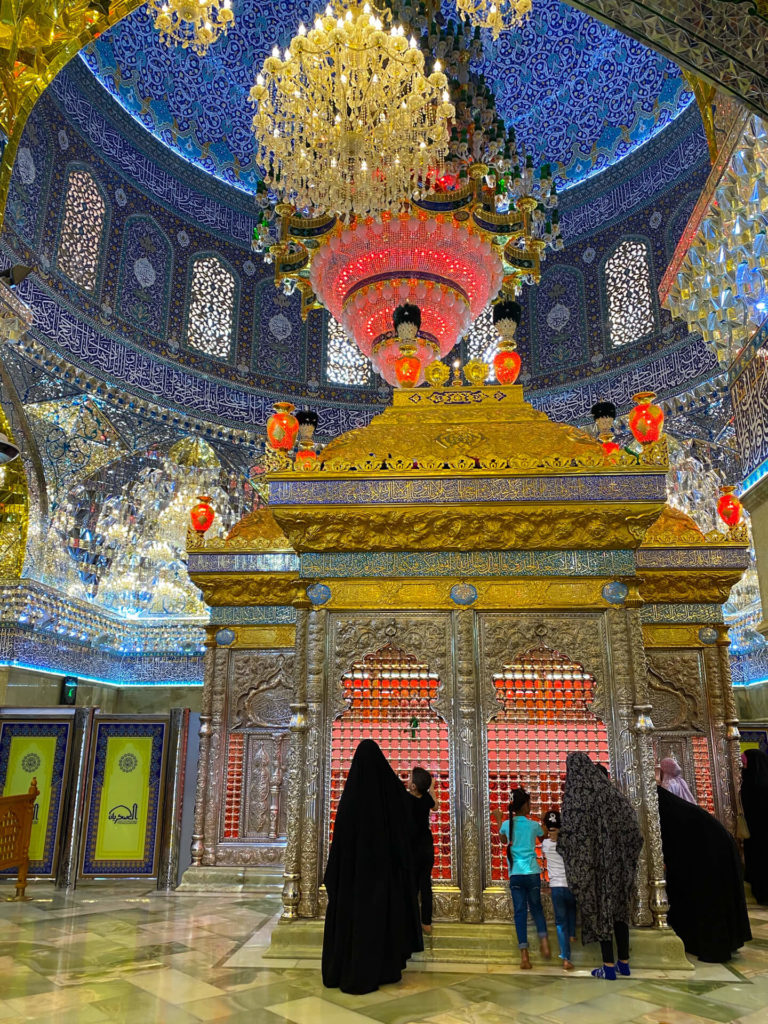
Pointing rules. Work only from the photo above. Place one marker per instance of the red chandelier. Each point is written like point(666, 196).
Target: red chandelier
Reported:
point(364, 272)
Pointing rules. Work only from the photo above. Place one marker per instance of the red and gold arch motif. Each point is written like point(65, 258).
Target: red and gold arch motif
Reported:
point(545, 715)
point(390, 696)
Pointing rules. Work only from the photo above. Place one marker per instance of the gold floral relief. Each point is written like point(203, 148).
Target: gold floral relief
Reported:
point(250, 588)
point(494, 527)
point(261, 637)
point(679, 635)
point(492, 594)
point(687, 586)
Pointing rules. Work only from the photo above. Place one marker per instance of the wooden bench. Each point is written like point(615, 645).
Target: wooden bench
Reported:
point(15, 827)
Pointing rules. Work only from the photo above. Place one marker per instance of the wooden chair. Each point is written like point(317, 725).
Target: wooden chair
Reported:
point(15, 827)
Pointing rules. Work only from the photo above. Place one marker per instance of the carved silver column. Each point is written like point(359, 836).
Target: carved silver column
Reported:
point(468, 776)
point(723, 726)
point(313, 763)
point(642, 727)
point(217, 752)
point(620, 708)
point(296, 764)
point(730, 723)
point(201, 796)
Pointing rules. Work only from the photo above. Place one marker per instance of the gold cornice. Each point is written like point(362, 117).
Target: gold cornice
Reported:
point(687, 586)
point(465, 430)
point(492, 594)
point(676, 635)
point(261, 637)
point(675, 529)
point(230, 588)
point(255, 533)
point(482, 527)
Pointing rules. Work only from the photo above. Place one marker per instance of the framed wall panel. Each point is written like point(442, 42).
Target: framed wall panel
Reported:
point(37, 748)
point(125, 797)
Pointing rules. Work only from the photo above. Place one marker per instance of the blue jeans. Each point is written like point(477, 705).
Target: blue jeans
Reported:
point(526, 893)
point(564, 904)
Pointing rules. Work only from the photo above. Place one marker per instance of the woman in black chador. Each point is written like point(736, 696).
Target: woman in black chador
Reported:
point(372, 922)
point(754, 801)
point(705, 887)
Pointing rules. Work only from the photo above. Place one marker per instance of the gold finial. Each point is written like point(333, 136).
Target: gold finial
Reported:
point(437, 374)
point(476, 371)
point(456, 381)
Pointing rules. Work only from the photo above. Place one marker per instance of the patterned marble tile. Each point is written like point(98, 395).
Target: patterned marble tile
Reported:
point(115, 954)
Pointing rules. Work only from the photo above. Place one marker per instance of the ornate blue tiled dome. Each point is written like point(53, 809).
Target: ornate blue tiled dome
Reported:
point(578, 92)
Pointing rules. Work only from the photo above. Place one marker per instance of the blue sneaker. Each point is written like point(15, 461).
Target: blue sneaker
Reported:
point(605, 972)
point(622, 966)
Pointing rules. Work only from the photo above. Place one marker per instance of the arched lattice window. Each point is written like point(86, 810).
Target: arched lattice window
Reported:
point(390, 696)
point(82, 227)
point(211, 315)
point(483, 338)
point(344, 362)
point(628, 287)
point(545, 715)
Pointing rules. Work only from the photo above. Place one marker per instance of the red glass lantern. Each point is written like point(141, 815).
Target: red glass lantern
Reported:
point(306, 455)
point(282, 427)
point(729, 508)
point(646, 421)
point(407, 367)
point(202, 514)
point(506, 366)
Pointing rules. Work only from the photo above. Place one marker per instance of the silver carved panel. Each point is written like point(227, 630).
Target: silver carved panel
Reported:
point(426, 636)
point(258, 693)
point(502, 638)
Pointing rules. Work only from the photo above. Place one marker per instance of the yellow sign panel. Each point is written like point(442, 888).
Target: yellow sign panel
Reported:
point(123, 808)
point(32, 757)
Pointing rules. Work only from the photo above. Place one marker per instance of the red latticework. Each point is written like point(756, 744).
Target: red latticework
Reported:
point(702, 773)
point(390, 697)
point(545, 716)
point(233, 793)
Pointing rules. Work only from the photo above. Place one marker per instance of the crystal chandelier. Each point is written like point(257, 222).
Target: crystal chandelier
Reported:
point(346, 120)
point(196, 24)
point(497, 15)
point(125, 549)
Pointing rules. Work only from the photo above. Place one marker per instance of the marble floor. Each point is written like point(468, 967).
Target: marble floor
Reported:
point(123, 954)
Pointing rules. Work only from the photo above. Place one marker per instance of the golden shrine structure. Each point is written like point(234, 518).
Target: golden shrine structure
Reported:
point(481, 590)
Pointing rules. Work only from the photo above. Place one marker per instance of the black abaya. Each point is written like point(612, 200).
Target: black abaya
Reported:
point(754, 801)
point(705, 887)
point(372, 921)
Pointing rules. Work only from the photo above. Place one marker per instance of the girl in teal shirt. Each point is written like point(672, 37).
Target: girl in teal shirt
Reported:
point(520, 833)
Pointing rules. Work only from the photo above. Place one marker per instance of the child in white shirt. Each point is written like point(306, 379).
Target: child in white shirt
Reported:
point(562, 898)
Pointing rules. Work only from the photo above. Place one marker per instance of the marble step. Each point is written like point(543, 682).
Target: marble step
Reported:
point(259, 879)
point(487, 943)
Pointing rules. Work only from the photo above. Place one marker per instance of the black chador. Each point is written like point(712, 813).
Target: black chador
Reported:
point(754, 800)
point(372, 922)
point(705, 886)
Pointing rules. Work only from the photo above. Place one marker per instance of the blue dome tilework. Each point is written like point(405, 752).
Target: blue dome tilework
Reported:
point(584, 91)
point(146, 264)
point(162, 212)
point(559, 320)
